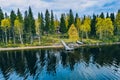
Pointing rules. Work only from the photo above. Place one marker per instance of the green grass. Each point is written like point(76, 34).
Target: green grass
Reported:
point(48, 40)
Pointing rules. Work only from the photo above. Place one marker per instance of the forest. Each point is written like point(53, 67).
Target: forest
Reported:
point(46, 29)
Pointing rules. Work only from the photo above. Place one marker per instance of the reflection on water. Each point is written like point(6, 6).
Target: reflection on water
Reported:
point(89, 63)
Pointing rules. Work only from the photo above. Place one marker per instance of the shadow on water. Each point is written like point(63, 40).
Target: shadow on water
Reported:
point(85, 63)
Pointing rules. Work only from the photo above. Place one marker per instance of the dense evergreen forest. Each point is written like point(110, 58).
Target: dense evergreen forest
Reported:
point(18, 29)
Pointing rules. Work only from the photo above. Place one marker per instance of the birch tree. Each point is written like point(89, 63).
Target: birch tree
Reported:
point(37, 28)
point(5, 24)
point(18, 29)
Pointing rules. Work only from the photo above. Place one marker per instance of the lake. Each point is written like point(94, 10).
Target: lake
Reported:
point(84, 63)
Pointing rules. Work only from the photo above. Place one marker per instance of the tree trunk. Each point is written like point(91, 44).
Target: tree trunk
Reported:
point(9, 35)
point(82, 37)
point(86, 35)
point(6, 37)
point(31, 39)
point(14, 37)
point(100, 35)
point(39, 39)
point(20, 38)
point(3, 38)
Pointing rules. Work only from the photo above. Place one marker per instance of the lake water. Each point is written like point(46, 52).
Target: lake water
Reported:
point(85, 63)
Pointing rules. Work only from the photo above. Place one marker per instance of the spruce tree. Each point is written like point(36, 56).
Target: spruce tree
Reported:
point(112, 17)
point(12, 19)
point(102, 15)
point(1, 31)
point(52, 27)
point(76, 17)
point(42, 27)
point(71, 18)
point(47, 22)
point(107, 16)
point(117, 22)
point(26, 30)
point(1, 15)
point(63, 28)
point(19, 15)
point(39, 20)
point(93, 24)
point(31, 24)
point(6, 15)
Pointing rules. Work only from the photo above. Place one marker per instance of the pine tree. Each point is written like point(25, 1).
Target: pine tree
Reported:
point(19, 15)
point(47, 22)
point(52, 26)
point(112, 16)
point(102, 15)
point(1, 15)
point(6, 15)
point(71, 18)
point(76, 17)
point(117, 22)
point(1, 31)
point(107, 16)
point(63, 28)
point(26, 30)
point(42, 27)
point(12, 19)
point(31, 24)
point(93, 23)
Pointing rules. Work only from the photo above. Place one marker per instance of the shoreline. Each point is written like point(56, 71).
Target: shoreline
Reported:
point(30, 47)
point(55, 46)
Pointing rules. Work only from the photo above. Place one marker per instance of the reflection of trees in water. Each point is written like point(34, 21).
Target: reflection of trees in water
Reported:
point(18, 62)
point(31, 60)
point(10, 61)
point(104, 54)
point(63, 59)
point(51, 63)
point(5, 63)
point(26, 62)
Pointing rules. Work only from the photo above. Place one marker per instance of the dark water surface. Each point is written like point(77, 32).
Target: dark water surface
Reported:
point(85, 63)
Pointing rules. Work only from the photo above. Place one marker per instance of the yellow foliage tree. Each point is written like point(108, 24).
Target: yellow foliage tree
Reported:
point(56, 23)
point(78, 24)
point(37, 28)
point(85, 27)
point(5, 24)
point(73, 33)
point(104, 27)
point(18, 29)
